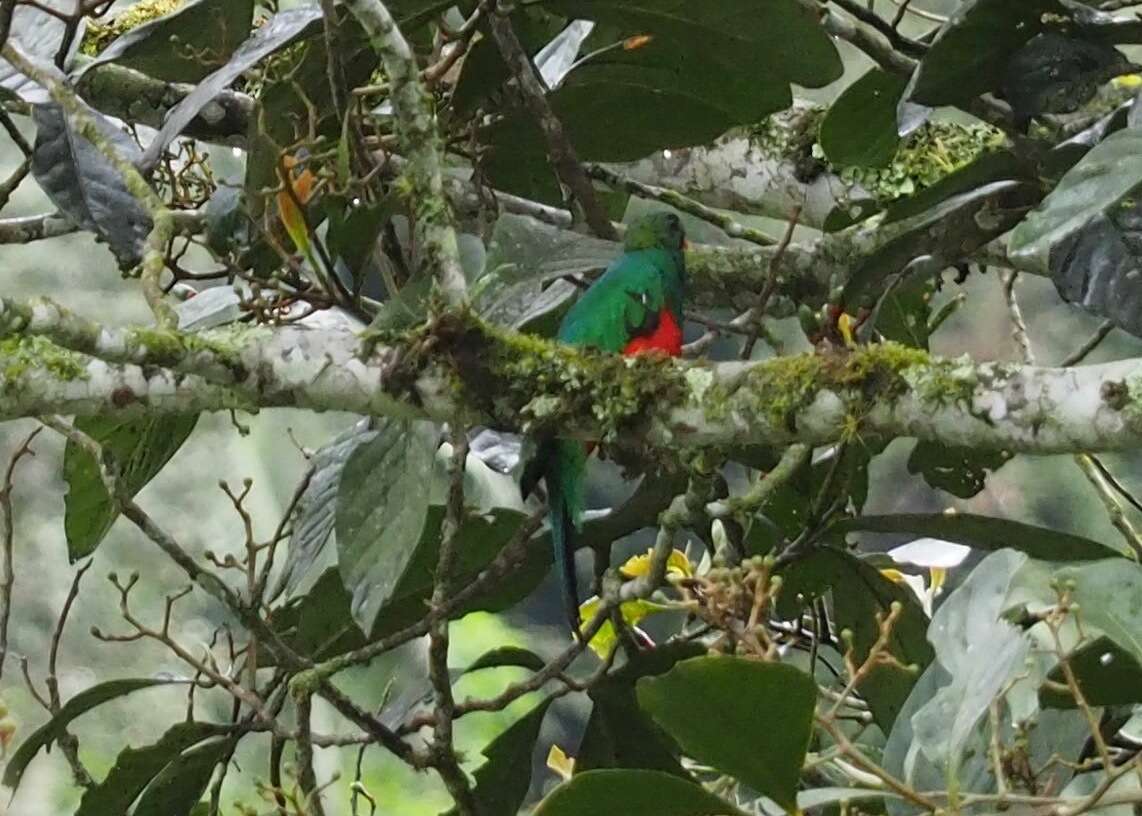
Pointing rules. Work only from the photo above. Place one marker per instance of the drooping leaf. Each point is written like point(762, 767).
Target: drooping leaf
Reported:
point(903, 313)
point(140, 448)
point(382, 507)
point(861, 595)
point(277, 32)
point(860, 126)
point(1096, 266)
point(633, 793)
point(984, 533)
point(134, 768)
point(1101, 179)
point(503, 781)
point(961, 471)
point(354, 228)
point(316, 509)
point(39, 34)
point(969, 55)
point(523, 255)
point(185, 45)
point(177, 789)
point(966, 625)
point(619, 734)
point(748, 719)
point(77, 705)
point(83, 183)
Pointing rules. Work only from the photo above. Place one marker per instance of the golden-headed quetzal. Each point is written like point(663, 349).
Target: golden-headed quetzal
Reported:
point(635, 307)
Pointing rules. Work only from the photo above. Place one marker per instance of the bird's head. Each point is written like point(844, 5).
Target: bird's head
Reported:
point(660, 230)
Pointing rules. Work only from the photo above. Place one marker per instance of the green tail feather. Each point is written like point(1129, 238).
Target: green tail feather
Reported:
point(562, 464)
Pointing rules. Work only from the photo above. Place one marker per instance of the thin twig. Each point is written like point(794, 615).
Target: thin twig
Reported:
point(443, 750)
point(7, 537)
point(1092, 342)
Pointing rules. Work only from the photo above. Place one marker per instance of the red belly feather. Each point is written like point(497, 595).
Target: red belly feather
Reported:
point(667, 338)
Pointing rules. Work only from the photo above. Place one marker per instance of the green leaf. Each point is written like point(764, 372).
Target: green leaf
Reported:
point(354, 229)
point(967, 625)
point(1107, 674)
point(1104, 177)
point(316, 509)
point(633, 793)
point(748, 719)
point(903, 314)
point(984, 533)
point(961, 471)
point(970, 53)
point(382, 507)
point(503, 781)
point(77, 705)
point(860, 594)
point(185, 45)
point(136, 767)
point(860, 126)
point(992, 166)
point(176, 790)
point(619, 734)
point(507, 656)
point(140, 448)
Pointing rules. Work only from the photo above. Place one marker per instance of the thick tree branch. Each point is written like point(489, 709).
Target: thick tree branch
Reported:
point(488, 376)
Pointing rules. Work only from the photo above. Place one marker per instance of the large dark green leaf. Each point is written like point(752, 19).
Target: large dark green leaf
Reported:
point(176, 790)
point(705, 69)
point(85, 185)
point(1107, 674)
point(970, 53)
point(633, 793)
point(382, 507)
point(185, 45)
point(984, 533)
point(961, 471)
point(860, 126)
point(77, 705)
point(1103, 178)
point(136, 767)
point(503, 781)
point(861, 594)
point(619, 734)
point(748, 719)
point(140, 448)
point(1054, 73)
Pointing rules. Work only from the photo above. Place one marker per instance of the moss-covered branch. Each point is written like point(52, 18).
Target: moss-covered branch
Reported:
point(525, 384)
point(438, 253)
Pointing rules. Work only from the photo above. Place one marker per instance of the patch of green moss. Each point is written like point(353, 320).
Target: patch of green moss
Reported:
point(99, 35)
point(780, 387)
point(553, 387)
point(933, 151)
point(23, 355)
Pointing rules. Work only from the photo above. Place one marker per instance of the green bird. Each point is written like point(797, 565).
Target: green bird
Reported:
point(634, 308)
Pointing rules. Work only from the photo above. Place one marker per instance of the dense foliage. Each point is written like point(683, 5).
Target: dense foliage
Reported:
point(386, 208)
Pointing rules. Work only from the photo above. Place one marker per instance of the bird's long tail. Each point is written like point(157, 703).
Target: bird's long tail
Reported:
point(562, 464)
